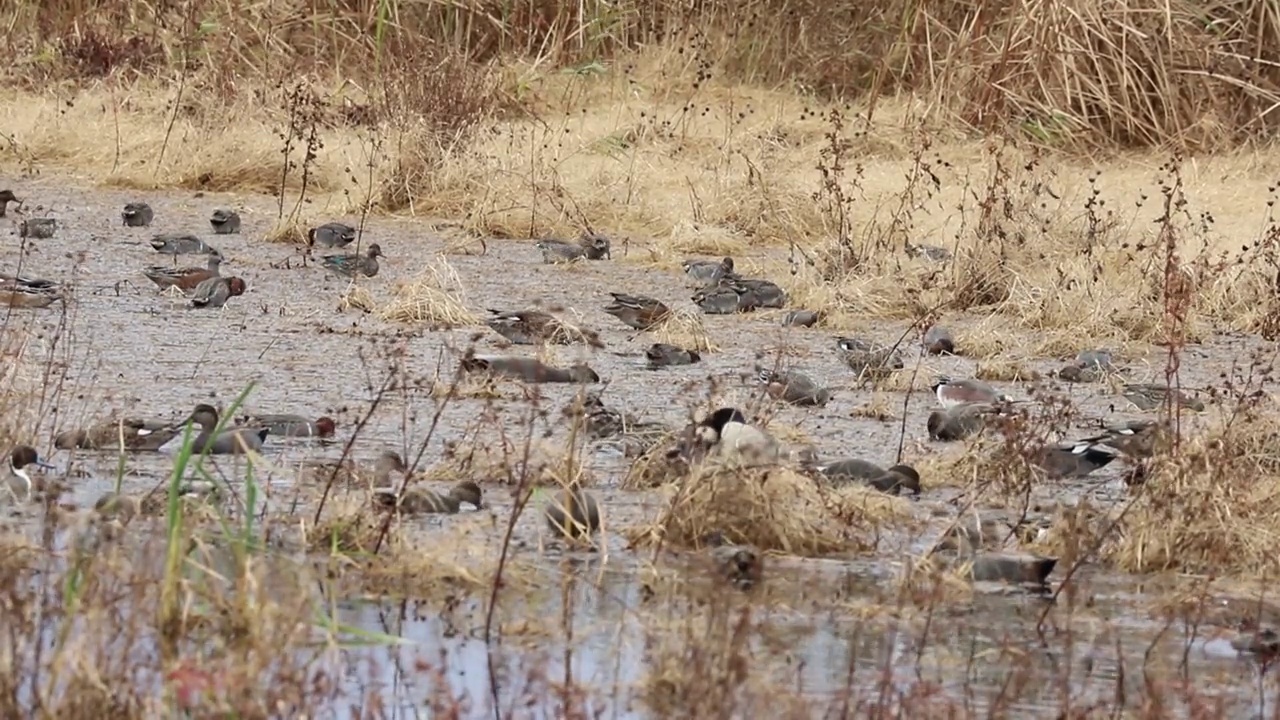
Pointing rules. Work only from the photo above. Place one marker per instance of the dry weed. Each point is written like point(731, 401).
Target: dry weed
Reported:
point(435, 297)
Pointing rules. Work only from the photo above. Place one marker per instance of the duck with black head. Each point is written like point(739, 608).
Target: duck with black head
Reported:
point(726, 433)
point(23, 457)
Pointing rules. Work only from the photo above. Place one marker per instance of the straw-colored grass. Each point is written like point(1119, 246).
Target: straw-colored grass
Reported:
point(771, 508)
point(434, 296)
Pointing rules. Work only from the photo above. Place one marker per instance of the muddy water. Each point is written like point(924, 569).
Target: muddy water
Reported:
point(131, 349)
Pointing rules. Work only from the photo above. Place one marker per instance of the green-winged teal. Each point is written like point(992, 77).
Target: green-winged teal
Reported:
point(533, 327)
point(793, 387)
point(1098, 358)
point(137, 434)
point(231, 441)
point(719, 299)
point(294, 426)
point(959, 421)
point(590, 246)
point(638, 311)
point(741, 565)
point(23, 457)
point(1150, 396)
point(179, 244)
point(602, 422)
point(348, 473)
point(952, 392)
point(759, 293)
point(530, 370)
point(1079, 374)
point(1135, 438)
point(334, 234)
point(137, 214)
point(1074, 459)
point(726, 433)
point(214, 292)
point(938, 340)
point(23, 292)
point(38, 228)
point(1261, 642)
point(1014, 568)
point(573, 513)
point(867, 359)
point(801, 318)
point(6, 197)
point(932, 253)
point(708, 271)
point(419, 501)
point(664, 355)
point(225, 222)
point(892, 480)
point(351, 266)
point(186, 278)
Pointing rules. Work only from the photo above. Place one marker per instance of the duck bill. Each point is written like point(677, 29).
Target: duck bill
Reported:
point(40, 463)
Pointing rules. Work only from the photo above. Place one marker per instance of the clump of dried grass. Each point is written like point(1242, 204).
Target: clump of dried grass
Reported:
point(545, 461)
point(1212, 508)
point(684, 327)
point(771, 508)
point(435, 296)
point(288, 231)
point(356, 297)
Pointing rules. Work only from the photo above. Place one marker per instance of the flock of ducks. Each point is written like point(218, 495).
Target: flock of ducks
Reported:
point(966, 405)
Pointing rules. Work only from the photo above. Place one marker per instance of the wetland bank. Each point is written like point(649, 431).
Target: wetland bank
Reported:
point(454, 146)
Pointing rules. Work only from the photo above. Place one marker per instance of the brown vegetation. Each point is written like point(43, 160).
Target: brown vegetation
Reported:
point(833, 138)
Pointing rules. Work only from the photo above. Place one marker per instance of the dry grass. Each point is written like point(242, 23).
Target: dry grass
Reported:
point(434, 297)
point(771, 508)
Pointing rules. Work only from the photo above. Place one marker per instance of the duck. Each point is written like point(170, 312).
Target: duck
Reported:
point(869, 360)
point(38, 228)
point(742, 566)
point(968, 390)
point(1074, 459)
point(1016, 568)
point(214, 292)
point(718, 299)
point(589, 246)
point(331, 235)
point(793, 387)
point(891, 480)
point(530, 370)
point(938, 340)
point(230, 441)
point(602, 422)
point(932, 253)
point(6, 197)
point(1150, 396)
point(801, 318)
point(23, 292)
point(225, 222)
point(187, 278)
point(1073, 373)
point(531, 327)
point(295, 426)
point(960, 421)
point(726, 433)
point(351, 266)
point(137, 214)
point(659, 355)
point(638, 311)
point(1100, 358)
point(137, 435)
point(419, 501)
point(176, 244)
point(707, 271)
point(572, 513)
point(759, 293)
point(21, 458)
point(1135, 438)
point(349, 473)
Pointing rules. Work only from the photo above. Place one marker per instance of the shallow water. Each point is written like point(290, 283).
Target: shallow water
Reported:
point(131, 349)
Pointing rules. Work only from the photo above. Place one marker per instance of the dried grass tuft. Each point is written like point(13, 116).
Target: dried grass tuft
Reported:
point(435, 297)
point(771, 508)
point(684, 327)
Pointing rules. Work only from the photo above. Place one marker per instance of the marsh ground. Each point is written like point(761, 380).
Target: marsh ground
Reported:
point(1119, 196)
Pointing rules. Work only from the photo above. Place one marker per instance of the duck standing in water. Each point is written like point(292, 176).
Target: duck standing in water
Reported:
point(23, 457)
